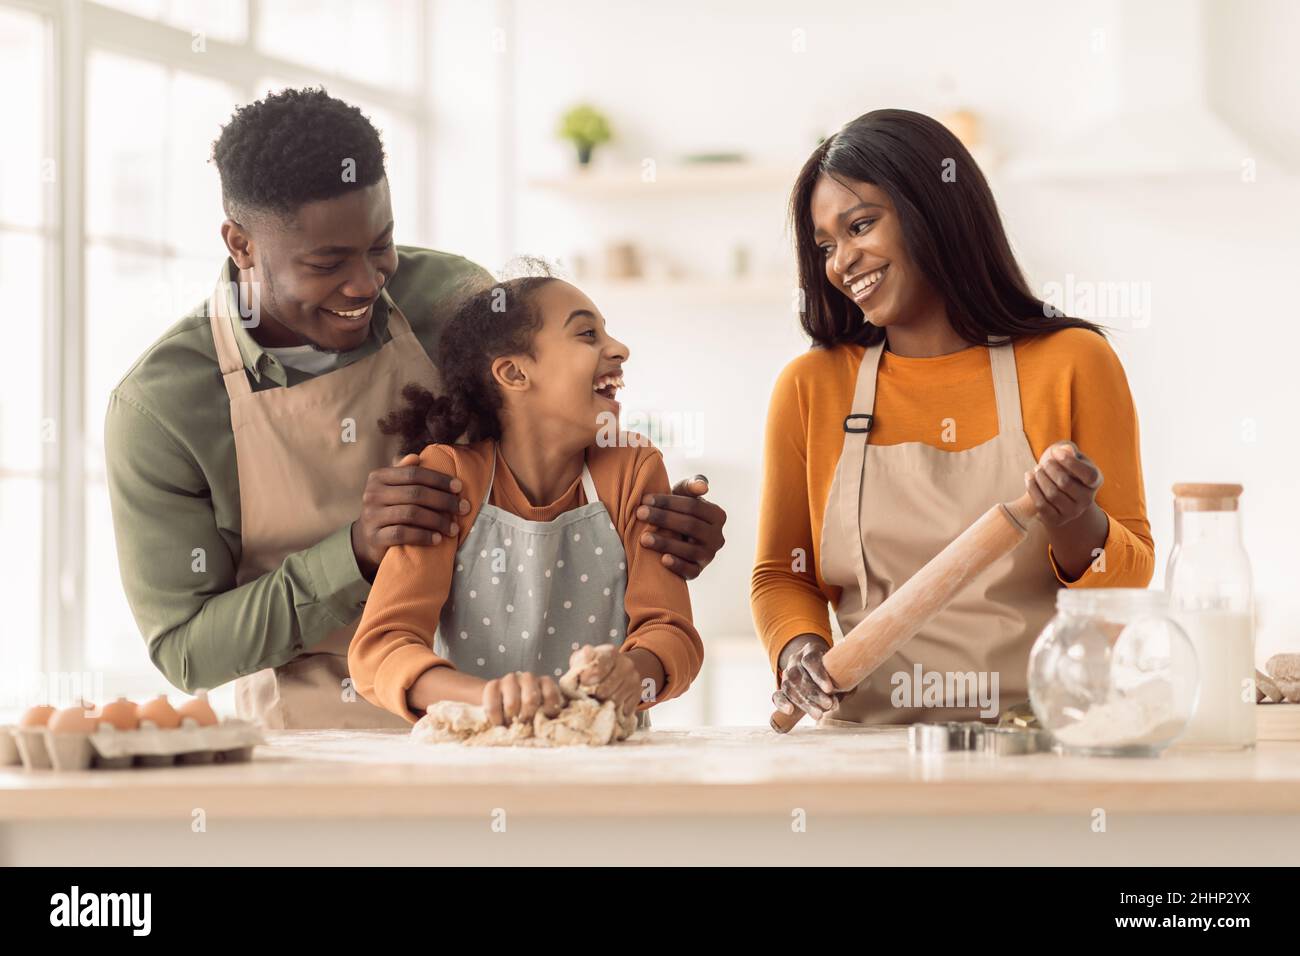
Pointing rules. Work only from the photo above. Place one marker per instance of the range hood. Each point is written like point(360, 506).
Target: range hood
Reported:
point(1153, 100)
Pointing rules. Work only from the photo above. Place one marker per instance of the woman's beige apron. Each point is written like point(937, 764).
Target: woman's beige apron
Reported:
point(304, 454)
point(891, 508)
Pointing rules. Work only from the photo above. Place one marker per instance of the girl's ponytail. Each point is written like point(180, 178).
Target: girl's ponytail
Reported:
point(427, 419)
point(489, 322)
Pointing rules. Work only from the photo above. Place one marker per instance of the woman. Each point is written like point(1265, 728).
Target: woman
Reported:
point(938, 384)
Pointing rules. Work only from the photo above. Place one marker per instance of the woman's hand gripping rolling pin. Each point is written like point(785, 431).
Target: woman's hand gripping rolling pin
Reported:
point(805, 685)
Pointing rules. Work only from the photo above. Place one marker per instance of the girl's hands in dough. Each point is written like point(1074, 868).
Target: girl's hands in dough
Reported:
point(519, 696)
point(610, 674)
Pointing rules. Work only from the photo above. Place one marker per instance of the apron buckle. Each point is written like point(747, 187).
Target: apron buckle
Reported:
point(855, 429)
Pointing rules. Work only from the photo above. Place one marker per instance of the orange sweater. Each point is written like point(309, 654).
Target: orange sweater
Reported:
point(393, 644)
point(1072, 386)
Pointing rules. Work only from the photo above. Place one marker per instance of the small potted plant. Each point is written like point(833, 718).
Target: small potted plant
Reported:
point(585, 127)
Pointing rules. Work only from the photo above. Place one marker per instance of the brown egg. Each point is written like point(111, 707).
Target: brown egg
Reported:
point(161, 712)
point(37, 716)
point(122, 714)
point(74, 720)
point(198, 709)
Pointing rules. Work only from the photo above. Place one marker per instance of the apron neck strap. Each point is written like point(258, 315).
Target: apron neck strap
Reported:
point(492, 474)
point(397, 324)
point(864, 393)
point(1006, 385)
point(844, 505)
point(229, 358)
point(588, 486)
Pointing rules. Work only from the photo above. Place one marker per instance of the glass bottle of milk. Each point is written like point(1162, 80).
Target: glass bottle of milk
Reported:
point(1210, 595)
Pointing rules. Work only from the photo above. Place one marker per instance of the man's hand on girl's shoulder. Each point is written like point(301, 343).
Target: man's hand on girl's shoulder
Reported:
point(685, 528)
point(404, 504)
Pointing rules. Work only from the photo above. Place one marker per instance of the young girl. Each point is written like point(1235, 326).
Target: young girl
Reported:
point(546, 570)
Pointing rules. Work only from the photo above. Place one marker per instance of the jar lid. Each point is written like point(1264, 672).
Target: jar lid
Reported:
point(1199, 496)
point(1104, 601)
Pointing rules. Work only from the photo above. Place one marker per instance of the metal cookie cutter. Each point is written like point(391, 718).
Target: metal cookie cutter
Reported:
point(1018, 732)
point(1009, 741)
point(974, 736)
point(941, 738)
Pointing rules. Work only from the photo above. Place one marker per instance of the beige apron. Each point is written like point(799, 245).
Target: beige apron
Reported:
point(304, 454)
point(891, 508)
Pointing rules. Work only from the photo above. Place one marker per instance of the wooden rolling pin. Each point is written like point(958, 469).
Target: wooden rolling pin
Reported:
point(882, 632)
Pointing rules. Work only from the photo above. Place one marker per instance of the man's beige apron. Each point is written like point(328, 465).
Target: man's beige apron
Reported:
point(891, 508)
point(304, 454)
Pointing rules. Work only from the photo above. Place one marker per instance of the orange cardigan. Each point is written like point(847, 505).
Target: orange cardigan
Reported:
point(1072, 386)
point(393, 644)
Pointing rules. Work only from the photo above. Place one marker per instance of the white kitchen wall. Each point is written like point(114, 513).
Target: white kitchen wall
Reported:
point(1210, 367)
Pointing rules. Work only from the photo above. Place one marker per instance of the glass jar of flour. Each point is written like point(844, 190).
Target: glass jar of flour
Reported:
point(1211, 597)
point(1112, 674)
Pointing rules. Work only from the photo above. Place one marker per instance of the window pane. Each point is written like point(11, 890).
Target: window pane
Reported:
point(27, 174)
point(375, 43)
point(151, 179)
point(113, 642)
point(401, 160)
point(197, 110)
point(20, 529)
point(22, 415)
point(132, 298)
point(218, 19)
point(124, 101)
point(149, 9)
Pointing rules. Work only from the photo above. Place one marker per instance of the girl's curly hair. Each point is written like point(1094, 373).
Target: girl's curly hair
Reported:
point(489, 322)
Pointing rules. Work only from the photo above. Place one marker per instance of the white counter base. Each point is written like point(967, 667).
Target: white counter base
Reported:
point(710, 796)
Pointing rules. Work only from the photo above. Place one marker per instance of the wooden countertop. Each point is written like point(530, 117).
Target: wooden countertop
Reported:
point(707, 771)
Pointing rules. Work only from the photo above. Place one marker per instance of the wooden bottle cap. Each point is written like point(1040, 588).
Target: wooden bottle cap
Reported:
point(1197, 496)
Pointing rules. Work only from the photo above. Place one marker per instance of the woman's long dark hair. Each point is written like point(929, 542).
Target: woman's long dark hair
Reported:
point(949, 222)
point(489, 322)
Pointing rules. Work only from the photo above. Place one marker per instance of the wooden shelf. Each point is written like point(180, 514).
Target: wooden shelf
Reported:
point(601, 182)
point(744, 291)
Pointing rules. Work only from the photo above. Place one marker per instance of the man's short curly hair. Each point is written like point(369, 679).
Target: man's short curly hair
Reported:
point(293, 147)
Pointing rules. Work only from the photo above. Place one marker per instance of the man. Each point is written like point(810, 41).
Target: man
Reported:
point(253, 494)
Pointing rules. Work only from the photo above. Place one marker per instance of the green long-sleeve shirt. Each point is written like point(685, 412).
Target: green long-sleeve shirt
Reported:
point(174, 488)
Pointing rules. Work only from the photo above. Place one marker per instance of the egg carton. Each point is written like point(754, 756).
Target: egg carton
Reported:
point(39, 748)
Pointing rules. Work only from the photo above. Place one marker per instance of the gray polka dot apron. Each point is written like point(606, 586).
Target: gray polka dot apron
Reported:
point(527, 594)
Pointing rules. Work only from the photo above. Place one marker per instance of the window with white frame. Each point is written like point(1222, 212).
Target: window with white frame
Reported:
point(140, 89)
point(28, 241)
